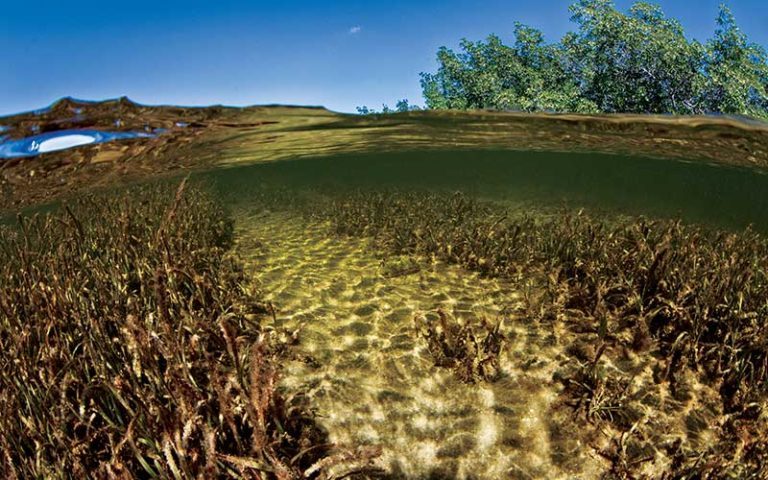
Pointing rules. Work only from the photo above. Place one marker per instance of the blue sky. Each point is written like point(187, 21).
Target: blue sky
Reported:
point(339, 54)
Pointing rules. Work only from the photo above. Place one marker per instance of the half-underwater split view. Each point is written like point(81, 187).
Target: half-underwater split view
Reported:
point(400, 240)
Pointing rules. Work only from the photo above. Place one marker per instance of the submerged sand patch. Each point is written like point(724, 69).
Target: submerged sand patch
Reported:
point(367, 371)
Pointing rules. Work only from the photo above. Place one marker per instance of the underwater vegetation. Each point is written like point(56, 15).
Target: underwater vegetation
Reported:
point(138, 346)
point(133, 349)
point(691, 299)
point(463, 349)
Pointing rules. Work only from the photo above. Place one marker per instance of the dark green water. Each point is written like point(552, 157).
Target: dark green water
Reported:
point(724, 197)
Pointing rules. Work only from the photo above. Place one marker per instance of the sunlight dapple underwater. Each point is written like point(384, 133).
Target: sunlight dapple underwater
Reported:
point(479, 289)
point(334, 298)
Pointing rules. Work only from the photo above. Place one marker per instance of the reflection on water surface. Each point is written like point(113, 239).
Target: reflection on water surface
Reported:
point(61, 140)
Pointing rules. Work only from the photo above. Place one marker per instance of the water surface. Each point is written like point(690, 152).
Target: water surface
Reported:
point(61, 140)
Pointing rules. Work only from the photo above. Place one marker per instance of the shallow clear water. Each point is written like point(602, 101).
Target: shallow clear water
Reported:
point(370, 376)
point(366, 370)
point(61, 140)
point(362, 361)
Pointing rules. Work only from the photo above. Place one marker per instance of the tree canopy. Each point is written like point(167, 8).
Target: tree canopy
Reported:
point(638, 61)
point(400, 107)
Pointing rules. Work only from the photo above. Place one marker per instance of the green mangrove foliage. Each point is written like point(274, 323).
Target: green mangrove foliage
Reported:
point(401, 106)
point(132, 349)
point(694, 299)
point(634, 62)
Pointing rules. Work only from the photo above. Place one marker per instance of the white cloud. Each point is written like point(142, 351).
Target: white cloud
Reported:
point(355, 30)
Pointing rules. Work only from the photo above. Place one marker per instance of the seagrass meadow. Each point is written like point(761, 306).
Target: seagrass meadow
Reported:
point(317, 296)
